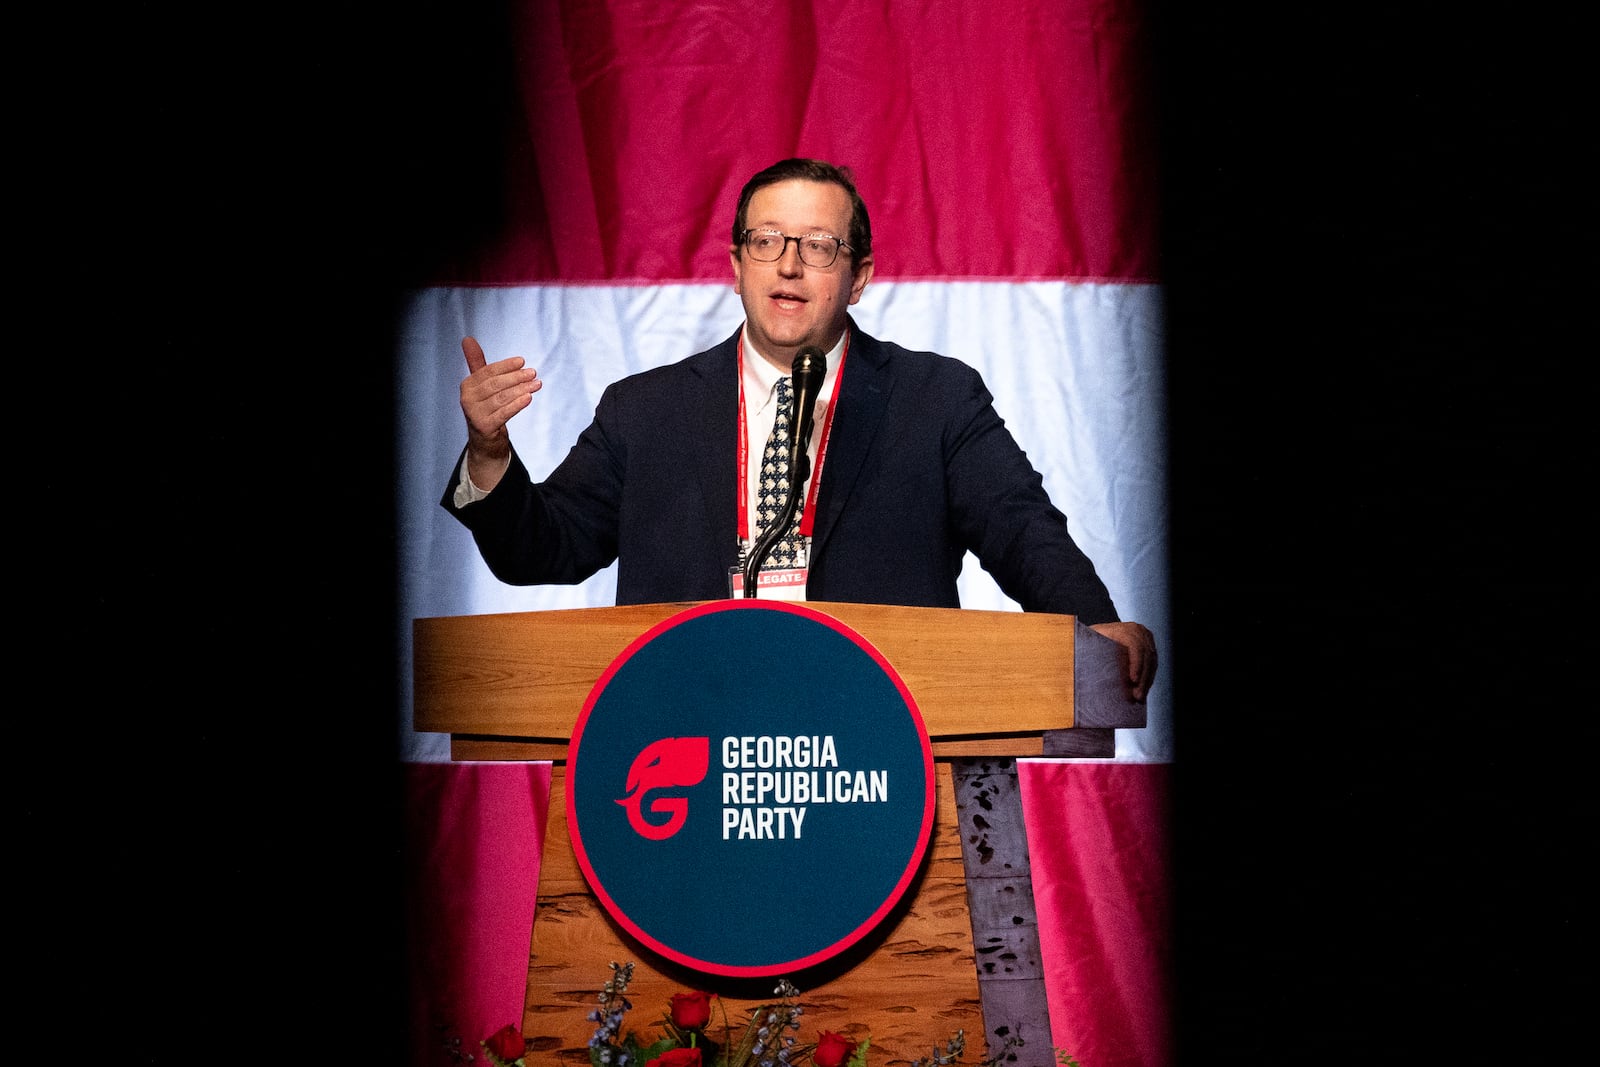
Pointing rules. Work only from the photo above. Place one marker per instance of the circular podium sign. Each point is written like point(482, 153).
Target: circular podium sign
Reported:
point(750, 788)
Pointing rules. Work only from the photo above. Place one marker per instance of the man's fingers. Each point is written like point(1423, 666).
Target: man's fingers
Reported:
point(508, 373)
point(491, 397)
point(504, 382)
point(1147, 664)
point(509, 406)
point(1140, 646)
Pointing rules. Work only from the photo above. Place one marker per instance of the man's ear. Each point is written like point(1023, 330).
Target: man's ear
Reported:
point(862, 277)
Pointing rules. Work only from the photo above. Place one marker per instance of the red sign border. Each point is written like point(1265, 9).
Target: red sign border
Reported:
point(924, 835)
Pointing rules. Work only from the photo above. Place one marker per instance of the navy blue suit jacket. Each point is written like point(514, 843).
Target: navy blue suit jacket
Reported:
point(920, 469)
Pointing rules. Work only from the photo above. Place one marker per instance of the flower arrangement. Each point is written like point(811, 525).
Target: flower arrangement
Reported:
point(767, 1037)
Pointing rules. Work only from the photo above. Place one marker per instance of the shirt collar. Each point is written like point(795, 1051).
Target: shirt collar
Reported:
point(761, 375)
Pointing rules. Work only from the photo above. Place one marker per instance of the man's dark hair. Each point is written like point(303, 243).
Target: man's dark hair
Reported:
point(811, 170)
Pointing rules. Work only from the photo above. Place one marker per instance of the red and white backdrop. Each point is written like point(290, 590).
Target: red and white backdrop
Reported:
point(1006, 153)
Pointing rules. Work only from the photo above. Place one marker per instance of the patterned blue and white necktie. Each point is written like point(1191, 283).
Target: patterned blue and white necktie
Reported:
point(789, 551)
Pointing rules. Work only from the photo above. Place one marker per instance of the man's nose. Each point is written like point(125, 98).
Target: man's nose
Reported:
point(789, 264)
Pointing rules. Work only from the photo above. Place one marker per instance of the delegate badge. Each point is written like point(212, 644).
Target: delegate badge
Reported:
point(750, 788)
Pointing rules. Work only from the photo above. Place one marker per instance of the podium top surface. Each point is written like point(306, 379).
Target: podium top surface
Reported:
point(527, 675)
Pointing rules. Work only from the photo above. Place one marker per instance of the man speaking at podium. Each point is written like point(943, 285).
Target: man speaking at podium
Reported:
point(843, 467)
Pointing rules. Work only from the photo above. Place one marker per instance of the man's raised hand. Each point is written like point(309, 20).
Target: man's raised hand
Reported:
point(491, 394)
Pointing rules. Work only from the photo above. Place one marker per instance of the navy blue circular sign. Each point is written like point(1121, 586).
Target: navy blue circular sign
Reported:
point(750, 788)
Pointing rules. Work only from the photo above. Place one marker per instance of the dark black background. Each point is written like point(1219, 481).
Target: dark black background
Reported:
point(1374, 288)
point(1372, 270)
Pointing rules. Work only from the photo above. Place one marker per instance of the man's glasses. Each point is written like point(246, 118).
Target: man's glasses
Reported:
point(816, 249)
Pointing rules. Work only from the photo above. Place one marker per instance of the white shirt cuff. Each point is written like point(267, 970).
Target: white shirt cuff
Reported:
point(467, 493)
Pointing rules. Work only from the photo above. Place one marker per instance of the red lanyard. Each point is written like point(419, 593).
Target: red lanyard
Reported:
point(809, 517)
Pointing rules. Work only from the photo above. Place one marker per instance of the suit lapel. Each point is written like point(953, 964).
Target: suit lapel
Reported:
point(863, 399)
point(713, 414)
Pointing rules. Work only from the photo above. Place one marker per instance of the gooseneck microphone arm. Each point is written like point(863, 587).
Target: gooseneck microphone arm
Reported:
point(809, 369)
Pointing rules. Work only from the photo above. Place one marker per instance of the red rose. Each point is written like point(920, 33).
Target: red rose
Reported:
point(678, 1057)
point(691, 1011)
point(507, 1043)
point(832, 1050)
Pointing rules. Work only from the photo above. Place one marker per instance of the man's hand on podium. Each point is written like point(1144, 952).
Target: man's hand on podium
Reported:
point(1141, 646)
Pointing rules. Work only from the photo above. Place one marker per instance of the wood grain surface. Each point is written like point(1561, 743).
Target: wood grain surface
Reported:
point(527, 675)
point(961, 951)
point(911, 987)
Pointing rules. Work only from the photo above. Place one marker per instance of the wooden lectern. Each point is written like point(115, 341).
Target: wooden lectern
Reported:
point(962, 950)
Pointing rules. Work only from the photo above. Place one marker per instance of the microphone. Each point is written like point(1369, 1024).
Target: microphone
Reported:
point(809, 368)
